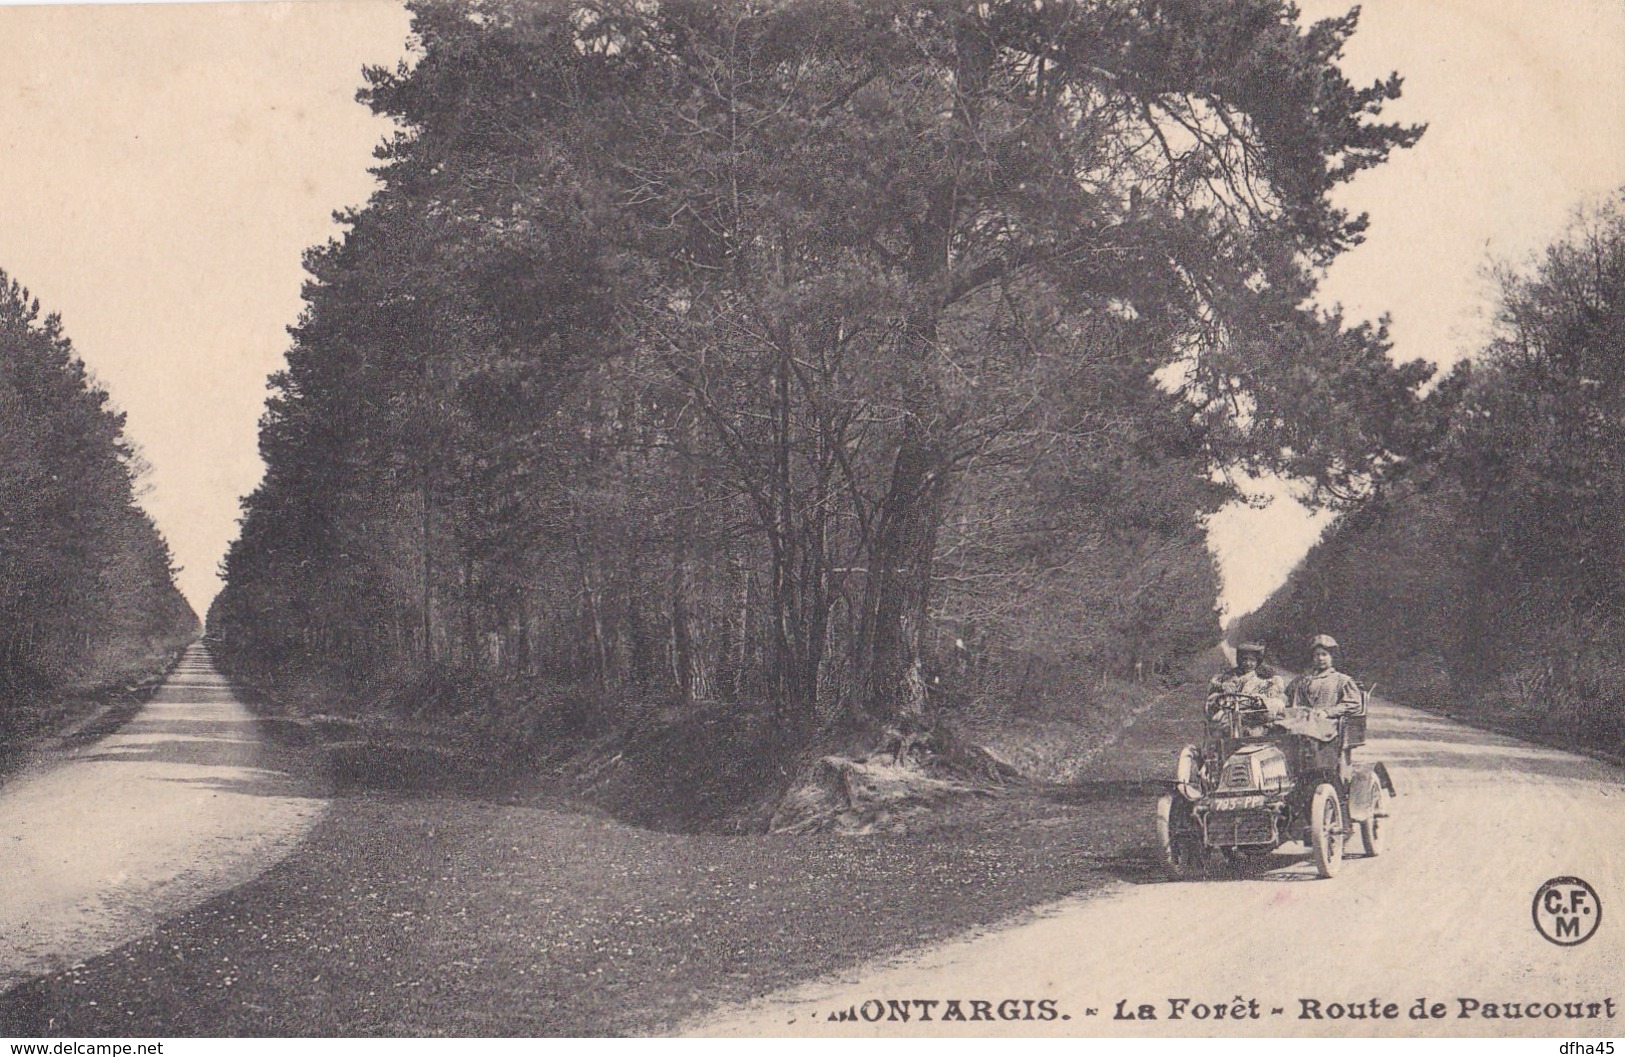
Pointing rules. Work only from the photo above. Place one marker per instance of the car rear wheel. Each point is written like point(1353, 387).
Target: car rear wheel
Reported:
point(1181, 840)
point(1326, 829)
point(1374, 830)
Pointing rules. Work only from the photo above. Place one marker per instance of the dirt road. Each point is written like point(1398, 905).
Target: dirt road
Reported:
point(184, 802)
point(1444, 915)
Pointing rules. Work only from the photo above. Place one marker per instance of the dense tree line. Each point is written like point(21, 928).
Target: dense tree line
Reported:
point(1494, 575)
point(86, 588)
point(826, 354)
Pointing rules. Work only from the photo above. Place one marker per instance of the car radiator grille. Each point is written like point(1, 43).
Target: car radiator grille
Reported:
point(1238, 774)
point(1227, 829)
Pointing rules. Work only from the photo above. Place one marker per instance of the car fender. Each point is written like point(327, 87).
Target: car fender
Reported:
point(1364, 787)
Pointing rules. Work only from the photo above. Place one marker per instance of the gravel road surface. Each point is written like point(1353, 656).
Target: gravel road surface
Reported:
point(181, 804)
point(1443, 915)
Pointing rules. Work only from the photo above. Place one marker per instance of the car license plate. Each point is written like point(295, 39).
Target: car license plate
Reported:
point(1236, 803)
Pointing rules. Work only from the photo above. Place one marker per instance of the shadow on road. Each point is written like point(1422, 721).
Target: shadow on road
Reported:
point(1107, 791)
point(1418, 746)
point(1144, 866)
point(182, 737)
point(276, 784)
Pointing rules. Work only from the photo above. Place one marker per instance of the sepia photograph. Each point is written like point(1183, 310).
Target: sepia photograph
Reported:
point(819, 519)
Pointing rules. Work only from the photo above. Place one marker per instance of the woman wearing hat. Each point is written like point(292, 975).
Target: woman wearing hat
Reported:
point(1253, 677)
point(1323, 693)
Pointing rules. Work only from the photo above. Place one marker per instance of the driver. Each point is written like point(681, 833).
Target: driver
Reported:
point(1317, 698)
point(1253, 677)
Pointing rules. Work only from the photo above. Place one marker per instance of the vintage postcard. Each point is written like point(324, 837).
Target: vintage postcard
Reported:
point(812, 518)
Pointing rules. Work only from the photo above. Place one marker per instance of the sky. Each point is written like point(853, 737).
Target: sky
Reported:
point(1525, 106)
point(165, 166)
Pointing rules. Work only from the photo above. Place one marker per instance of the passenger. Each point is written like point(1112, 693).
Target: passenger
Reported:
point(1252, 676)
point(1317, 698)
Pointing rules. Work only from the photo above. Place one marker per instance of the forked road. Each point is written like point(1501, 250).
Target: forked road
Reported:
point(184, 802)
point(1443, 915)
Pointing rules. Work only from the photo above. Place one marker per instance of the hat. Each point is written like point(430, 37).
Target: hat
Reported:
point(1323, 642)
point(1250, 647)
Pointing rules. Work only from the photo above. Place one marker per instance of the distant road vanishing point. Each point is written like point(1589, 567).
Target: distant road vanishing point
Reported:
point(184, 802)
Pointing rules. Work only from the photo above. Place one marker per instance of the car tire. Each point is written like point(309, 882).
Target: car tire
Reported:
point(1374, 830)
point(1326, 829)
point(1182, 851)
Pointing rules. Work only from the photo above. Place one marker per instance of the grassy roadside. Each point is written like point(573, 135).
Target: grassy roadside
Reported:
point(502, 913)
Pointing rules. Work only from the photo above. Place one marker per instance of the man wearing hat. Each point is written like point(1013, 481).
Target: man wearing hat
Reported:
point(1323, 693)
point(1252, 676)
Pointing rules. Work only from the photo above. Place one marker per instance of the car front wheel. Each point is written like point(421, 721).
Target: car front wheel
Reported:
point(1326, 829)
point(1181, 840)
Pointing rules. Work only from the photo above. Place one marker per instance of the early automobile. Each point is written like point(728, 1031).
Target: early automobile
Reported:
point(1256, 783)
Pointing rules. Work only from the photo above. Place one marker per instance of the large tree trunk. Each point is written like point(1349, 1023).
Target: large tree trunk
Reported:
point(426, 513)
point(742, 651)
point(891, 681)
point(596, 649)
point(799, 595)
point(794, 680)
point(891, 637)
point(689, 669)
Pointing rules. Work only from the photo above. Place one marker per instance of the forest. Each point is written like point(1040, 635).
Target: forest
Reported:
point(87, 594)
point(1490, 578)
point(841, 364)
